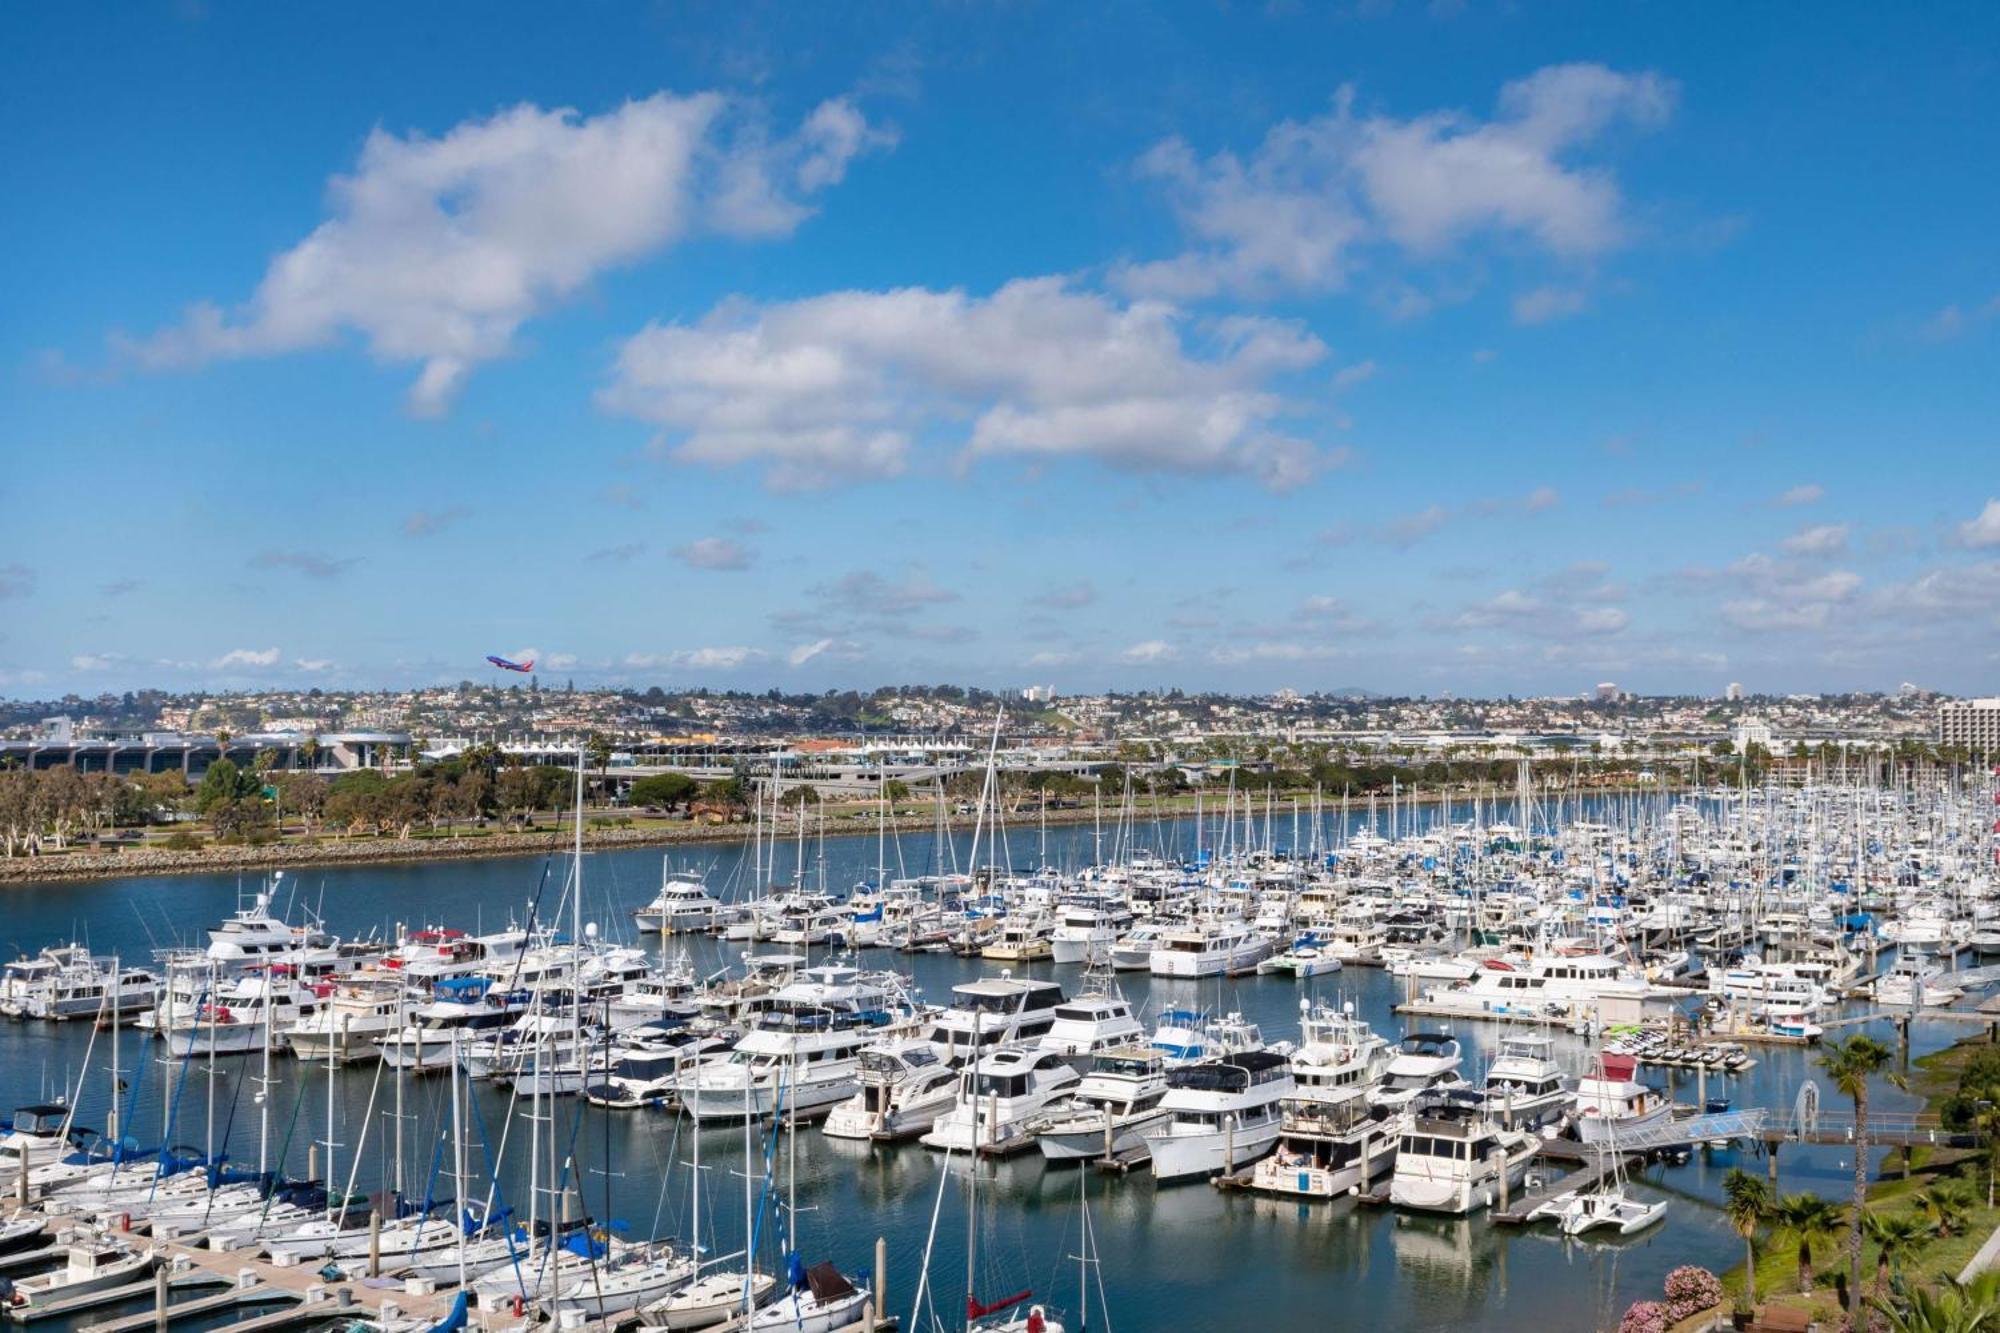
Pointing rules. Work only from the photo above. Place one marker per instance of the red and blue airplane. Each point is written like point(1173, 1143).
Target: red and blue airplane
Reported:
point(505, 665)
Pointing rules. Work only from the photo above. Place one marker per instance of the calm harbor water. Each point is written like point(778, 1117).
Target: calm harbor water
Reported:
point(1182, 1257)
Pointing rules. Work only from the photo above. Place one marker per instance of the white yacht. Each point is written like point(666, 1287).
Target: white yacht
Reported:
point(802, 1056)
point(682, 904)
point(1611, 1104)
point(1220, 1115)
point(1915, 979)
point(69, 982)
point(1423, 1062)
point(91, 1263)
point(993, 1012)
point(241, 1015)
point(1134, 950)
point(1307, 957)
point(1088, 926)
point(1092, 1022)
point(1327, 1149)
point(1189, 1036)
point(1003, 1096)
point(1339, 1059)
point(1452, 1155)
point(346, 1028)
point(905, 1086)
point(252, 933)
point(1112, 1110)
point(1542, 986)
point(1524, 1086)
point(1210, 948)
point(459, 1007)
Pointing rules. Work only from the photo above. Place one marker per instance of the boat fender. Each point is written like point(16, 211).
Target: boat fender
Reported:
point(1036, 1322)
point(124, 1221)
point(517, 1306)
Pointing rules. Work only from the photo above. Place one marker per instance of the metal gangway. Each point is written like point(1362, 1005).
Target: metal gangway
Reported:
point(1694, 1129)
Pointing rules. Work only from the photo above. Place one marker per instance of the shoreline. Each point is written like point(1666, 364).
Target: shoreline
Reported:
point(330, 850)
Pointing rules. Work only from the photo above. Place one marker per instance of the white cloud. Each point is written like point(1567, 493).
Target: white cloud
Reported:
point(313, 666)
point(845, 385)
point(1541, 305)
point(1807, 493)
point(1824, 539)
point(437, 250)
point(865, 592)
point(1054, 658)
point(1358, 373)
point(1982, 531)
point(1413, 528)
point(1274, 650)
point(714, 553)
point(1541, 498)
point(1150, 652)
point(93, 661)
point(845, 650)
point(1527, 613)
point(696, 659)
point(244, 658)
point(1294, 214)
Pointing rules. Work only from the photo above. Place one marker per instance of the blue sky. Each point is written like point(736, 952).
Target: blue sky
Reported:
point(1459, 348)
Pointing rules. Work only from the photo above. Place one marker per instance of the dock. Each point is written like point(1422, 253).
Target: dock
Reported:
point(1603, 1166)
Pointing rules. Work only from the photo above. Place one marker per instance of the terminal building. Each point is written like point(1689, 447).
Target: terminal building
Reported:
point(1972, 723)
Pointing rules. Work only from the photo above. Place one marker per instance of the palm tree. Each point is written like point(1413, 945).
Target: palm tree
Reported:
point(1747, 1201)
point(1850, 1064)
point(1896, 1235)
point(1943, 1308)
point(1947, 1201)
point(1809, 1219)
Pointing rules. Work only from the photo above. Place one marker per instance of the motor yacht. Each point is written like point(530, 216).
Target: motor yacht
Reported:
point(1001, 1100)
point(1524, 1086)
point(1611, 1104)
point(1423, 1062)
point(1220, 1115)
point(1111, 1111)
point(683, 904)
point(1452, 1155)
point(905, 1086)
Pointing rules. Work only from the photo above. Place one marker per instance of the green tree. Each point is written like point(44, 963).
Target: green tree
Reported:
point(222, 783)
point(1747, 1201)
point(666, 790)
point(1896, 1235)
point(1808, 1219)
point(1850, 1064)
point(1946, 1203)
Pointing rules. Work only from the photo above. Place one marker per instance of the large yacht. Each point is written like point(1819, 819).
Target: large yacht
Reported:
point(994, 1012)
point(1208, 949)
point(1221, 1115)
point(905, 1086)
point(1452, 1155)
point(802, 1056)
point(1112, 1110)
point(252, 933)
point(1327, 1149)
point(69, 982)
point(1610, 1102)
point(1092, 1022)
point(1524, 1086)
point(1338, 1059)
point(682, 904)
point(1003, 1095)
point(1086, 926)
point(1424, 1061)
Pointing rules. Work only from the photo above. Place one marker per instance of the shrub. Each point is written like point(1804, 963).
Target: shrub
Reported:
point(1645, 1317)
point(1691, 1290)
point(182, 841)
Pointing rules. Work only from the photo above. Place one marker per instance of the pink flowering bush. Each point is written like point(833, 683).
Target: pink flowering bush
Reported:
point(1691, 1290)
point(1645, 1317)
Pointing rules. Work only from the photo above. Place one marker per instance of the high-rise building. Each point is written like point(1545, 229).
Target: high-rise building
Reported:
point(1734, 692)
point(1972, 723)
point(1607, 692)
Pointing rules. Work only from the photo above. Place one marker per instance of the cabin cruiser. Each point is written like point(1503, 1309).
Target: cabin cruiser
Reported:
point(905, 1086)
point(1524, 1086)
point(1307, 957)
point(1542, 986)
point(1915, 979)
point(91, 1263)
point(1610, 1102)
point(1327, 1149)
point(347, 1026)
point(1220, 1115)
point(1088, 926)
point(252, 934)
point(1004, 1095)
point(1092, 1022)
point(1452, 1155)
point(244, 1014)
point(802, 1055)
point(1134, 951)
point(682, 904)
point(460, 1007)
point(70, 982)
point(1338, 1058)
point(1423, 1062)
point(1189, 1036)
point(994, 1012)
point(1021, 939)
point(1112, 1110)
point(737, 999)
point(1210, 948)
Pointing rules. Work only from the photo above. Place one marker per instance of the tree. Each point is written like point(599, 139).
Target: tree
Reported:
point(1747, 1201)
point(1850, 1064)
point(1895, 1235)
point(1809, 1219)
point(222, 783)
point(1946, 1203)
point(666, 790)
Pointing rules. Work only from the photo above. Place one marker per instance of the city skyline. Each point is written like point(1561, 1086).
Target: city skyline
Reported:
point(1419, 350)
